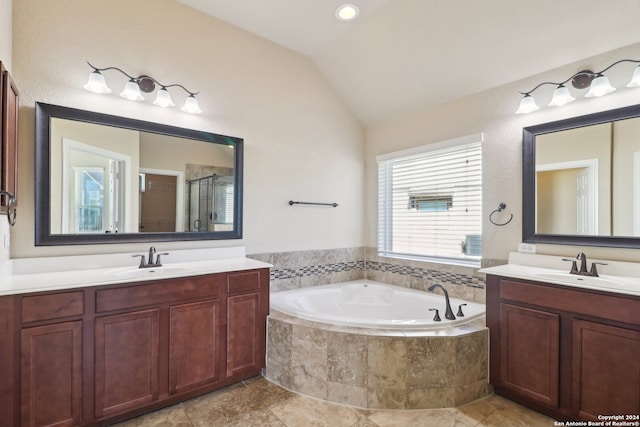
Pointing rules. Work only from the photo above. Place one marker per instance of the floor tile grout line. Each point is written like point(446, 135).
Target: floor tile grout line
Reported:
point(186, 413)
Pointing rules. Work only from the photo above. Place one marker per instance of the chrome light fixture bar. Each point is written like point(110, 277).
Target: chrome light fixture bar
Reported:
point(134, 88)
point(597, 83)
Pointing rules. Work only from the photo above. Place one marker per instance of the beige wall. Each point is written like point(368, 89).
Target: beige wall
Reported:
point(166, 152)
point(301, 142)
point(626, 142)
point(492, 112)
point(6, 33)
point(6, 58)
point(586, 143)
point(557, 211)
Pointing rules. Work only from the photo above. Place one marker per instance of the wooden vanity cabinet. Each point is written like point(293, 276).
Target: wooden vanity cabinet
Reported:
point(245, 333)
point(99, 355)
point(50, 358)
point(605, 369)
point(127, 359)
point(8, 136)
point(530, 356)
point(51, 374)
point(567, 352)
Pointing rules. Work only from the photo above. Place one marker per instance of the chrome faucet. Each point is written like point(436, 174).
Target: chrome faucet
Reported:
point(151, 263)
point(448, 312)
point(582, 271)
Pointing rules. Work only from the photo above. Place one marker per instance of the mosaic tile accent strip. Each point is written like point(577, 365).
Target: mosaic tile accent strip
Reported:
point(425, 273)
point(313, 270)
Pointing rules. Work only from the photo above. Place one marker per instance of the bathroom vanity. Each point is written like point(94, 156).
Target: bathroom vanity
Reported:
point(568, 350)
point(94, 355)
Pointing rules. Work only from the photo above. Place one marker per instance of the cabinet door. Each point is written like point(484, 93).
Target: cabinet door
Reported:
point(9, 176)
point(126, 361)
point(605, 370)
point(194, 345)
point(529, 353)
point(51, 372)
point(245, 337)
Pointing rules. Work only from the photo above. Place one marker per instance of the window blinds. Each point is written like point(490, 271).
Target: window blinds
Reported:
point(429, 203)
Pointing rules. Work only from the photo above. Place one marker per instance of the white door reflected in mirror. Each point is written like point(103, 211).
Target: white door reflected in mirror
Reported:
point(95, 185)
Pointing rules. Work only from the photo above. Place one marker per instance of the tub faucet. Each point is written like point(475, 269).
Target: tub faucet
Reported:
point(448, 312)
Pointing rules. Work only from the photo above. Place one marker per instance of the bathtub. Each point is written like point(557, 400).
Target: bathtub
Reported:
point(369, 304)
point(375, 346)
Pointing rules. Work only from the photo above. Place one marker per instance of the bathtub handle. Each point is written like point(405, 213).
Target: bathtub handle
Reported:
point(460, 313)
point(436, 318)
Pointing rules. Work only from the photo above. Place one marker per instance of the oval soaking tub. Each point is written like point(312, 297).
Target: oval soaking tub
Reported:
point(376, 346)
point(369, 304)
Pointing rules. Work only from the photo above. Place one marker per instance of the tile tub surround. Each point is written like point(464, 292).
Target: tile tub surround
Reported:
point(301, 269)
point(293, 270)
point(376, 369)
point(461, 282)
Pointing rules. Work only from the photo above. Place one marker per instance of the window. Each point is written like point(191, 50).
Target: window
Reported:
point(90, 203)
point(430, 201)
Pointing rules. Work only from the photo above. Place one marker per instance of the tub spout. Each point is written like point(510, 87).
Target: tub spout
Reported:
point(448, 312)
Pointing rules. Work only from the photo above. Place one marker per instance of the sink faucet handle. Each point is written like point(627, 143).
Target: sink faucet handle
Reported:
point(142, 260)
point(460, 313)
point(158, 261)
point(574, 266)
point(436, 318)
point(594, 271)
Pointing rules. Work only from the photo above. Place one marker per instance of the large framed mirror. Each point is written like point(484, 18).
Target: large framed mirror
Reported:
point(581, 180)
point(107, 179)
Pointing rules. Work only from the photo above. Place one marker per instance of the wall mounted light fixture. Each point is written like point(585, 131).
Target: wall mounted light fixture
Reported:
point(134, 88)
point(597, 83)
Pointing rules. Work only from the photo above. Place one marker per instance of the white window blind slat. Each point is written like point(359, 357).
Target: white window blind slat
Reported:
point(430, 202)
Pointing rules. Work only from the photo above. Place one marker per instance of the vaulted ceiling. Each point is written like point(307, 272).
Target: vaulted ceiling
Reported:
point(400, 56)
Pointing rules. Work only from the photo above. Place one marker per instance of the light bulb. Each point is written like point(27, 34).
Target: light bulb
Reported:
point(561, 96)
point(132, 91)
point(97, 83)
point(191, 105)
point(164, 99)
point(635, 80)
point(527, 105)
point(347, 12)
point(599, 86)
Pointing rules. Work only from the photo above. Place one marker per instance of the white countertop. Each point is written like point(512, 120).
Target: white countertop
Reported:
point(56, 273)
point(617, 276)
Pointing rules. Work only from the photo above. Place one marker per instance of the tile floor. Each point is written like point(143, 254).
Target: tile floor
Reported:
point(257, 402)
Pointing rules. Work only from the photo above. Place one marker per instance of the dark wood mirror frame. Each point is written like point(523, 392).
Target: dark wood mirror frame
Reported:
point(529, 179)
point(43, 236)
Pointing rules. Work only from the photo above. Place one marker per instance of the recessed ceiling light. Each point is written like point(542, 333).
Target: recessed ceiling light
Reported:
point(347, 12)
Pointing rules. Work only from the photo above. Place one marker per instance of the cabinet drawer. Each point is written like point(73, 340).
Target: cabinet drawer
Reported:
point(247, 281)
point(621, 309)
point(166, 291)
point(52, 306)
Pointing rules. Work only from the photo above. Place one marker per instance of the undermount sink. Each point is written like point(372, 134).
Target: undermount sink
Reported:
point(136, 272)
point(613, 282)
